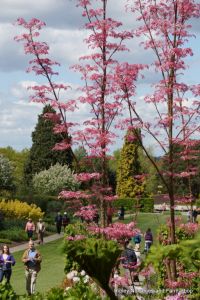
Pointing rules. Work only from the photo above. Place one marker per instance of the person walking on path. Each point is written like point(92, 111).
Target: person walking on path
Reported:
point(137, 239)
point(138, 253)
point(40, 229)
point(58, 222)
point(110, 211)
point(30, 228)
point(121, 213)
point(189, 216)
point(65, 220)
point(129, 261)
point(148, 237)
point(32, 261)
point(6, 263)
point(194, 215)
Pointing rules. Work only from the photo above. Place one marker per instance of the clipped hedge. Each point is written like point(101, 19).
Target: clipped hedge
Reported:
point(146, 204)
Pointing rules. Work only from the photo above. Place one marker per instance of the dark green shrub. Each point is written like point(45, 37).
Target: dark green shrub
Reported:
point(147, 204)
point(50, 227)
point(130, 204)
point(126, 202)
point(56, 293)
point(5, 241)
point(7, 292)
point(14, 234)
point(14, 223)
point(54, 206)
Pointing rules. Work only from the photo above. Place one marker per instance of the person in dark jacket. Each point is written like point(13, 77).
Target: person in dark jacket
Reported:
point(194, 215)
point(65, 220)
point(121, 213)
point(148, 237)
point(128, 258)
point(6, 263)
point(58, 222)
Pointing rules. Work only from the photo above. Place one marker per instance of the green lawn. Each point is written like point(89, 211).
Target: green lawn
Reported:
point(52, 271)
point(150, 220)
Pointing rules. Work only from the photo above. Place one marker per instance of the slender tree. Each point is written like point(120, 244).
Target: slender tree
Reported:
point(99, 92)
point(42, 156)
point(128, 186)
point(165, 25)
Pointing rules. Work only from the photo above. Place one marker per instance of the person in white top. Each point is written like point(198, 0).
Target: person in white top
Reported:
point(138, 253)
point(40, 229)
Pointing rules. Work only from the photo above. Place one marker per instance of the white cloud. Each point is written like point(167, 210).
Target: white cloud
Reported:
point(64, 35)
point(17, 118)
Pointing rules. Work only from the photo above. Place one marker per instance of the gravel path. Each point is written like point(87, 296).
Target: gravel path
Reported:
point(47, 239)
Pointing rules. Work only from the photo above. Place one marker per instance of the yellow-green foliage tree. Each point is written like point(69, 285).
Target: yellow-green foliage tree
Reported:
point(128, 186)
point(16, 209)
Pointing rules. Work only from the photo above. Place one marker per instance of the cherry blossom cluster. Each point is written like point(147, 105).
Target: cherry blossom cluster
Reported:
point(82, 177)
point(117, 231)
point(87, 213)
point(74, 195)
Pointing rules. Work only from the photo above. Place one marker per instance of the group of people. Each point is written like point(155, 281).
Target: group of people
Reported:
point(131, 256)
point(61, 221)
point(30, 228)
point(32, 262)
point(148, 239)
point(39, 228)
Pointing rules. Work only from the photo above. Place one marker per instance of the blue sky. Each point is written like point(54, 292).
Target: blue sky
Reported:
point(65, 37)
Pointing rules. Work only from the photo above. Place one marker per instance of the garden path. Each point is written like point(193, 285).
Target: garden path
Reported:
point(47, 239)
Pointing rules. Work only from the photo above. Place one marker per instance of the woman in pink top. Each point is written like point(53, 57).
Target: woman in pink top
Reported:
point(30, 228)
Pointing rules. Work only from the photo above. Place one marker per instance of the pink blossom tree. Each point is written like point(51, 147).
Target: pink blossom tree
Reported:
point(99, 92)
point(110, 89)
point(164, 28)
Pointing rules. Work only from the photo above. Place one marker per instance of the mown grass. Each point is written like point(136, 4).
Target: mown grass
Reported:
point(150, 220)
point(52, 268)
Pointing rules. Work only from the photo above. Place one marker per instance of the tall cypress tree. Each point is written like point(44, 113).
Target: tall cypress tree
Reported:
point(128, 167)
point(41, 154)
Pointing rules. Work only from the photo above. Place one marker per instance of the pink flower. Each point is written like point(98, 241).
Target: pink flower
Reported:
point(117, 231)
point(87, 213)
point(87, 176)
point(74, 195)
point(76, 237)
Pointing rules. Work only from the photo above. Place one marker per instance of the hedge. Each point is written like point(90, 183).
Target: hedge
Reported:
point(146, 204)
